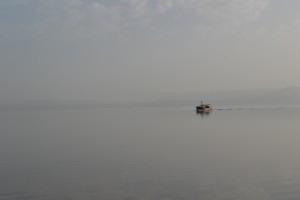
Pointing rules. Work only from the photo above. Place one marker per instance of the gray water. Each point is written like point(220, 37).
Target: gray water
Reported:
point(150, 153)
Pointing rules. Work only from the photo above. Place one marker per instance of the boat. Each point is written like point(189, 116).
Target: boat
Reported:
point(204, 108)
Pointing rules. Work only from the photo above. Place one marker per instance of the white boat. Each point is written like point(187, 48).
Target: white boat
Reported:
point(204, 108)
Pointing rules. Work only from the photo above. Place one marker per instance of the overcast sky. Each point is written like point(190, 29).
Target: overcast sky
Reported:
point(111, 50)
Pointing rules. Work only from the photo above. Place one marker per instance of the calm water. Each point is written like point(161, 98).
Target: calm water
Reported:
point(150, 153)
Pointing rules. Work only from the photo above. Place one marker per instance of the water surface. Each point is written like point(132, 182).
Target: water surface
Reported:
point(150, 153)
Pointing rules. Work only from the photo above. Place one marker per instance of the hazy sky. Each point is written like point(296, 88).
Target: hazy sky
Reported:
point(110, 50)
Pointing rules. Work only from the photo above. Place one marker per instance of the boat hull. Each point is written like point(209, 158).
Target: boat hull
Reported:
point(204, 108)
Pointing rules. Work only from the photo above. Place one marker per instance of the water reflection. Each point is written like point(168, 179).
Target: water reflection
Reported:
point(203, 114)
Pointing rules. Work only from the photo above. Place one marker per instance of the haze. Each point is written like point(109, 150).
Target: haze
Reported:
point(132, 50)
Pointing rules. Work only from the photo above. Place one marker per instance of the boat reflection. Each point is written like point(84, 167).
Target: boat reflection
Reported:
point(203, 113)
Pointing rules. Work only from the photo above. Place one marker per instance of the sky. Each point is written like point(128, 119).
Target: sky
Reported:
point(127, 50)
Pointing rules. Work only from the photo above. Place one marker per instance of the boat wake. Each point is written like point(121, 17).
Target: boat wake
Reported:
point(257, 108)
